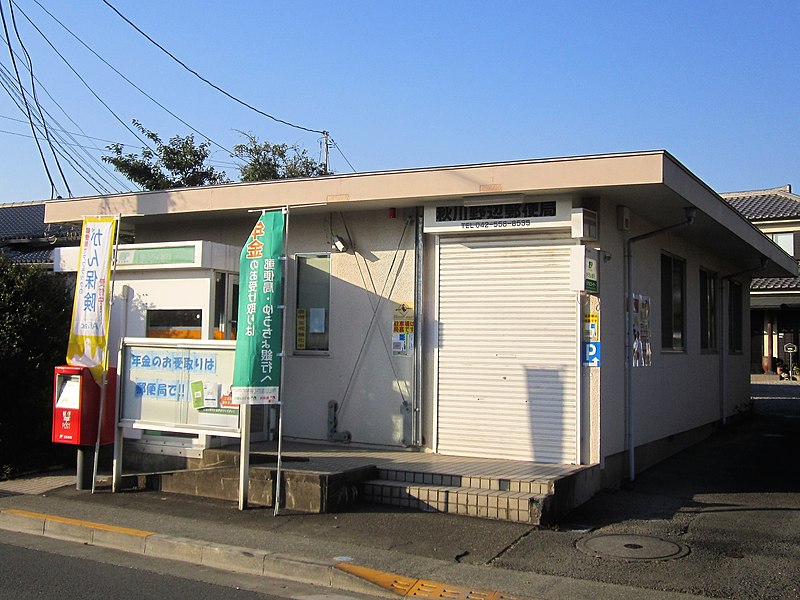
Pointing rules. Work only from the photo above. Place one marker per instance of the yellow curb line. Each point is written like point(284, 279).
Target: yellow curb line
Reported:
point(88, 524)
point(409, 587)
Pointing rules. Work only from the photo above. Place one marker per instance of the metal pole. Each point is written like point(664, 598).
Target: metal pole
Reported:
point(285, 258)
point(244, 454)
point(109, 300)
point(325, 154)
point(116, 470)
point(419, 325)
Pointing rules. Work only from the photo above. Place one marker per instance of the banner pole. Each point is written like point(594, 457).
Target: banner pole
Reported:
point(244, 455)
point(109, 301)
point(285, 259)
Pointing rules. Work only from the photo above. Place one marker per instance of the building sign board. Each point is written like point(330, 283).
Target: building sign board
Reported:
point(492, 217)
point(591, 354)
point(591, 284)
point(403, 329)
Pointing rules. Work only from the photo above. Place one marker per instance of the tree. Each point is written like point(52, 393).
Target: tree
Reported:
point(264, 161)
point(178, 163)
point(35, 310)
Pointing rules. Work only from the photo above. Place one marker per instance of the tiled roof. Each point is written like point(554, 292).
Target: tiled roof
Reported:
point(25, 221)
point(33, 256)
point(766, 205)
point(764, 284)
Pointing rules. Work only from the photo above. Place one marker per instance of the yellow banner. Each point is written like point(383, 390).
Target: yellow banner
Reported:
point(91, 307)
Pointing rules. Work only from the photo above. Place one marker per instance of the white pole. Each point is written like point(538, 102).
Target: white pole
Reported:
point(244, 455)
point(285, 259)
point(109, 301)
point(116, 472)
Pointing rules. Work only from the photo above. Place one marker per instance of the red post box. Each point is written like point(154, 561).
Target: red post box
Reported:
point(76, 407)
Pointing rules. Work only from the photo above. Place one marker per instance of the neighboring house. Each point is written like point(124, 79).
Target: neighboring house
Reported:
point(26, 238)
point(774, 301)
point(511, 277)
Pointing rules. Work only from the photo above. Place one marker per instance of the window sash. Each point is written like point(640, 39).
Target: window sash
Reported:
point(312, 306)
point(673, 292)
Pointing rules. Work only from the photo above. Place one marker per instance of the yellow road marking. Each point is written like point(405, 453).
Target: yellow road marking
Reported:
point(409, 587)
point(89, 524)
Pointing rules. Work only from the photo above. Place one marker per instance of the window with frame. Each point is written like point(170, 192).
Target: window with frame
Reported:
point(312, 310)
point(735, 316)
point(708, 310)
point(785, 240)
point(673, 287)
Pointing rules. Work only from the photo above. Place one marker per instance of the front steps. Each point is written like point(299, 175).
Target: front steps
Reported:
point(321, 481)
point(522, 501)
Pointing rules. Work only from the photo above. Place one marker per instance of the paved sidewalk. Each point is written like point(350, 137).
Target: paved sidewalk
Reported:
point(732, 502)
point(36, 484)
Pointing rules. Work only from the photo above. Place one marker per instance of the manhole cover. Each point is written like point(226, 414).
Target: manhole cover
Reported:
point(631, 547)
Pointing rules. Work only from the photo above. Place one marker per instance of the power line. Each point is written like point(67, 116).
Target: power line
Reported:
point(88, 87)
point(335, 145)
point(201, 78)
point(110, 66)
point(35, 97)
point(53, 191)
point(7, 82)
point(90, 137)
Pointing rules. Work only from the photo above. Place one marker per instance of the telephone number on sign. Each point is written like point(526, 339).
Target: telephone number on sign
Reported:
point(496, 224)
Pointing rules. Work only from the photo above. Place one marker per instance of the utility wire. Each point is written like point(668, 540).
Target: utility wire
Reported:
point(53, 191)
point(201, 78)
point(335, 145)
point(7, 83)
point(35, 97)
point(110, 66)
point(88, 87)
point(10, 89)
point(6, 80)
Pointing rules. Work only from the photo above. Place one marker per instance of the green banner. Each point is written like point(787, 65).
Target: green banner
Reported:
point(257, 367)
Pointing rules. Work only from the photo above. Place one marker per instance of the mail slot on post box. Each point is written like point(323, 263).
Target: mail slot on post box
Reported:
point(76, 407)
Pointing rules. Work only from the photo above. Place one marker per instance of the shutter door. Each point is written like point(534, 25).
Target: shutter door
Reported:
point(508, 350)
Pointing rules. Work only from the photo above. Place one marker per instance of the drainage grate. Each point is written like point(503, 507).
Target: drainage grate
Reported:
point(631, 547)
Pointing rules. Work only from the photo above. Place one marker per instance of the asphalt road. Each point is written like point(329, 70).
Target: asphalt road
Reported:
point(732, 500)
point(34, 567)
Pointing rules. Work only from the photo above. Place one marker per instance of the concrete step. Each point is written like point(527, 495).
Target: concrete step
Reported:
point(483, 482)
point(489, 503)
point(302, 491)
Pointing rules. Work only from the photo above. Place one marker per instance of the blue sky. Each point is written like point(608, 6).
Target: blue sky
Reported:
point(418, 84)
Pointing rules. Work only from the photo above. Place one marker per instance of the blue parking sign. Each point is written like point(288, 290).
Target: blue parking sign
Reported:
point(591, 354)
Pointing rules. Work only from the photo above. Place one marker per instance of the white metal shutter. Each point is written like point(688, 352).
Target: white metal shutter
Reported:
point(508, 350)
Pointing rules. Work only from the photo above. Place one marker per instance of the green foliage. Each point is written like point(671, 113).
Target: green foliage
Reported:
point(35, 310)
point(265, 161)
point(178, 163)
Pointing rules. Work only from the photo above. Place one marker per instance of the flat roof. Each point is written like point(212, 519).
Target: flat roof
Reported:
point(652, 183)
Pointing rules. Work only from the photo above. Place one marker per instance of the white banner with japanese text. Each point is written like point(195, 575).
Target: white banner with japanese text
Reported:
point(90, 309)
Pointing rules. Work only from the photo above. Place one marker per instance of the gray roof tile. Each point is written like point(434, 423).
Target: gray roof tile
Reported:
point(25, 221)
point(766, 205)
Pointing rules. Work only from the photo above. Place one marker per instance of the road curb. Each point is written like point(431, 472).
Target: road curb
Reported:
point(218, 556)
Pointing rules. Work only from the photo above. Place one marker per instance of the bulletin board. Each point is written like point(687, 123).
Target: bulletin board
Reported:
point(178, 385)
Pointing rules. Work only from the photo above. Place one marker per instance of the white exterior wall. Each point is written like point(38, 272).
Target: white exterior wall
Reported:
point(681, 390)
point(359, 373)
point(372, 408)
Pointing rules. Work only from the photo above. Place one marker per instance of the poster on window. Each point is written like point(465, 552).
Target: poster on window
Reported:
point(91, 306)
point(257, 366)
point(642, 355)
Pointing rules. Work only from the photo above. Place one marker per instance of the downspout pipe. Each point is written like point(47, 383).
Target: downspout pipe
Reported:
point(629, 398)
point(721, 336)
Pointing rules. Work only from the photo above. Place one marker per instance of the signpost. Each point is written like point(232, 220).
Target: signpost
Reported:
point(790, 349)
